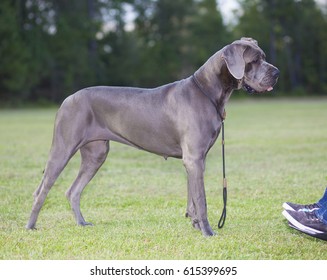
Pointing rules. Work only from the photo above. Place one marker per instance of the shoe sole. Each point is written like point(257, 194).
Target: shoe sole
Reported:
point(287, 207)
point(300, 226)
point(316, 235)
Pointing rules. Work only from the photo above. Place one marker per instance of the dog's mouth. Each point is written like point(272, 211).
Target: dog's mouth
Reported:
point(251, 90)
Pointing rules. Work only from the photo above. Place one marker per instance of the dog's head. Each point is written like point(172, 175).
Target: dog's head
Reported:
point(246, 63)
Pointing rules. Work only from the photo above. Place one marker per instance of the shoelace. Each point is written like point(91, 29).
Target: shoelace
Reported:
point(311, 207)
point(311, 216)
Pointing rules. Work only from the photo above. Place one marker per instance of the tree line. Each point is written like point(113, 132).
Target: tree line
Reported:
point(51, 48)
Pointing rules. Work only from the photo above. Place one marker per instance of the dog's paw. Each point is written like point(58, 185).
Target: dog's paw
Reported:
point(208, 233)
point(83, 224)
point(31, 228)
point(206, 229)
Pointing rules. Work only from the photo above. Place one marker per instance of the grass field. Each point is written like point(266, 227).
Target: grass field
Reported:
point(276, 152)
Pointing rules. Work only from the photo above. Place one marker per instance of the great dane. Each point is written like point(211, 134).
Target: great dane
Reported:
point(180, 119)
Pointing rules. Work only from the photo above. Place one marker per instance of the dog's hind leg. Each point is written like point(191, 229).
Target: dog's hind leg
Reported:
point(58, 158)
point(93, 155)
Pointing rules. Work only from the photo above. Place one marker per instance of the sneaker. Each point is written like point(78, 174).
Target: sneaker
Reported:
point(322, 236)
point(306, 221)
point(300, 207)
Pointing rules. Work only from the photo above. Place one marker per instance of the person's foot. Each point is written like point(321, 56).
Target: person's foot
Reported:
point(322, 236)
point(306, 222)
point(300, 207)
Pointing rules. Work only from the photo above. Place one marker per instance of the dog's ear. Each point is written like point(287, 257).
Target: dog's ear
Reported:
point(233, 56)
point(247, 39)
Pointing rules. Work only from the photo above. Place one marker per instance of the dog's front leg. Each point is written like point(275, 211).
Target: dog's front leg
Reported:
point(197, 205)
point(190, 210)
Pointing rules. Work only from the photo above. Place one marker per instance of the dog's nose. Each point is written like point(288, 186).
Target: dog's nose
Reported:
point(276, 73)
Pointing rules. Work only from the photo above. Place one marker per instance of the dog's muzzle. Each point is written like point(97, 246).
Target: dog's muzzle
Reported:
point(274, 77)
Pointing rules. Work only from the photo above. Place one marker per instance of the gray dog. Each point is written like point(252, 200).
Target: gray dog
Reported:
point(181, 120)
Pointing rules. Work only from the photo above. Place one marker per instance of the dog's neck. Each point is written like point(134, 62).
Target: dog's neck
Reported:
point(216, 80)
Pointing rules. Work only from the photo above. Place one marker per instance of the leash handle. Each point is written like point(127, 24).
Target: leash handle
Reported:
point(224, 213)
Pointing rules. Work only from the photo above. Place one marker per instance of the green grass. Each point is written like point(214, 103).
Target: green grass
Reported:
point(276, 152)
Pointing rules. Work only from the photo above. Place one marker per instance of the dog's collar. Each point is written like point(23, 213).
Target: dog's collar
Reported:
point(196, 82)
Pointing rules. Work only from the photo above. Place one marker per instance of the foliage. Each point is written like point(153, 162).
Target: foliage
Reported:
point(137, 200)
point(49, 49)
point(14, 58)
point(293, 35)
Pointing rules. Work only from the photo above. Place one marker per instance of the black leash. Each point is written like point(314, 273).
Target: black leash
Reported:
point(224, 213)
point(222, 117)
